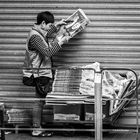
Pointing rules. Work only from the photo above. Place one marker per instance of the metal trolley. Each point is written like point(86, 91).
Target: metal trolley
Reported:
point(98, 108)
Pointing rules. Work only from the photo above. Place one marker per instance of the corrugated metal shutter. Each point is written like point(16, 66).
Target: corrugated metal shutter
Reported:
point(112, 38)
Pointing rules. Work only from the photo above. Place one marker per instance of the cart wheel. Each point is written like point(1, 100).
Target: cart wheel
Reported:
point(68, 133)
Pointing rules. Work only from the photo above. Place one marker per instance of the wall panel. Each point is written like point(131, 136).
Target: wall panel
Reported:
point(112, 38)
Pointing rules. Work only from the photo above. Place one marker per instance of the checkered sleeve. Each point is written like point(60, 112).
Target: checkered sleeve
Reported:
point(52, 30)
point(36, 43)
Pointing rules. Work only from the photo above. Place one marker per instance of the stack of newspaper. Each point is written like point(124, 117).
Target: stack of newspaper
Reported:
point(115, 87)
point(67, 82)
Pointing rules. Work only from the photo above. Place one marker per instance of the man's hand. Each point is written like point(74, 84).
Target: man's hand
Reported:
point(60, 23)
point(63, 39)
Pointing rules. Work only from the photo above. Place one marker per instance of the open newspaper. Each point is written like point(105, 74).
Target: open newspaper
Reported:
point(119, 87)
point(74, 24)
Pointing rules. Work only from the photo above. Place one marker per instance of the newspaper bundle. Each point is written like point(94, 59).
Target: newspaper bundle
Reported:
point(115, 86)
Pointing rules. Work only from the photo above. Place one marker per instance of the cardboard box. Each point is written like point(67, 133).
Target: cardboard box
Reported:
point(18, 116)
point(67, 112)
point(89, 111)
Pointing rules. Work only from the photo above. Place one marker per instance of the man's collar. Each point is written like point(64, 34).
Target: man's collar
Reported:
point(39, 30)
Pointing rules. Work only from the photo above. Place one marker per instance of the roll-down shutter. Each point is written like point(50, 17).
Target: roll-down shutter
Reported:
point(112, 38)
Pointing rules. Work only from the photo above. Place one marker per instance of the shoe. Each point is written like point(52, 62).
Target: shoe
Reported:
point(46, 134)
point(40, 133)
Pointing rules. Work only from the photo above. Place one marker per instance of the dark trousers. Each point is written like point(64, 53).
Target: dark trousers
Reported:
point(44, 83)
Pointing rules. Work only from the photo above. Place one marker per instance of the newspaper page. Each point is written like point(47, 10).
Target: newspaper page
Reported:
point(74, 24)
